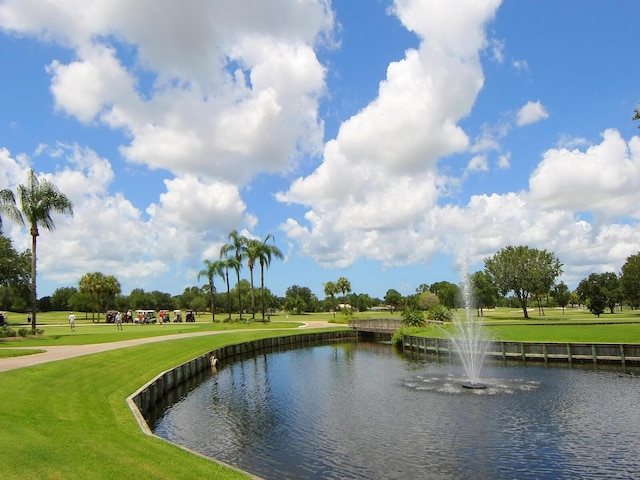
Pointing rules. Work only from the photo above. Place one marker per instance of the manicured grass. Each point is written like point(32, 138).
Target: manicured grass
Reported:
point(15, 352)
point(575, 325)
point(69, 419)
point(57, 332)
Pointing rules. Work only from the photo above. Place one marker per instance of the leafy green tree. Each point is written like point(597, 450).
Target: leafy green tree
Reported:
point(15, 272)
point(604, 286)
point(426, 300)
point(138, 299)
point(636, 115)
point(561, 295)
point(524, 271)
point(630, 280)
point(393, 298)
point(198, 304)
point(448, 293)
point(80, 302)
point(485, 293)
point(38, 199)
point(591, 292)
point(612, 289)
point(295, 304)
point(362, 302)
point(237, 244)
point(211, 270)
point(158, 300)
point(44, 304)
point(60, 298)
point(303, 293)
point(102, 290)
point(574, 299)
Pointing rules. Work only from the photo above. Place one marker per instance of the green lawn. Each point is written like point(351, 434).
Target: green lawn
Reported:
point(16, 352)
point(57, 331)
point(574, 325)
point(69, 419)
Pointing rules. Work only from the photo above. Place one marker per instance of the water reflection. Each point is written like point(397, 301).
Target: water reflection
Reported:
point(359, 410)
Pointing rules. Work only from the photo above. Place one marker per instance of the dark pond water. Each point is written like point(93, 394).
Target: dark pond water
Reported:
point(361, 411)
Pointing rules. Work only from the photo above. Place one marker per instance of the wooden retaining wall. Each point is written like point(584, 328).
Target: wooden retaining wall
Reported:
point(169, 386)
point(622, 354)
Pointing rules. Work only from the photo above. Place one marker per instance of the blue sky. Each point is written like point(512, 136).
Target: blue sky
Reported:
point(387, 142)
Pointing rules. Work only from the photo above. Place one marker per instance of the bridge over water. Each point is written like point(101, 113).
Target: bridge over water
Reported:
point(376, 325)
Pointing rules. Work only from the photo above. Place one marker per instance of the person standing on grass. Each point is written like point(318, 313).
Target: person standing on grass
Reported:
point(72, 322)
point(118, 321)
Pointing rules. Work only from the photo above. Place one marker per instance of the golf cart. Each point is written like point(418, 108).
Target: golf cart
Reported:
point(145, 316)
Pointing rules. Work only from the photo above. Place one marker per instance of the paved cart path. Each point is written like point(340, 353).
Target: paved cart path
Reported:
point(62, 352)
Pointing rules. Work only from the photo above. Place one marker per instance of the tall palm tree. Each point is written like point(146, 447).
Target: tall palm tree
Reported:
point(330, 290)
point(38, 198)
point(110, 290)
point(228, 263)
point(266, 253)
point(252, 252)
point(210, 271)
point(344, 286)
point(8, 207)
point(236, 245)
point(91, 284)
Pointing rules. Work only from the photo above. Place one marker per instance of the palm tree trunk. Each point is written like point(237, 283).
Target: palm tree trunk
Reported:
point(262, 288)
point(239, 295)
point(228, 293)
point(213, 308)
point(253, 297)
point(34, 235)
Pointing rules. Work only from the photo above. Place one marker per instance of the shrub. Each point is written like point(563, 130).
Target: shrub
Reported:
point(439, 313)
point(413, 318)
point(7, 332)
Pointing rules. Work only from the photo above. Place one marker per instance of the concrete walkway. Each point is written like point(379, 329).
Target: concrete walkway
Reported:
point(62, 352)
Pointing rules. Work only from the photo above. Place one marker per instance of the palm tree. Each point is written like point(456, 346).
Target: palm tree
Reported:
point(8, 207)
point(252, 252)
point(91, 284)
point(210, 271)
point(237, 244)
point(344, 286)
point(38, 198)
point(227, 264)
point(330, 290)
point(266, 253)
point(102, 290)
point(110, 289)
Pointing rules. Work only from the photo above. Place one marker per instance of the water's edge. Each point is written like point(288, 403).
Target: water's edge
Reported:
point(150, 400)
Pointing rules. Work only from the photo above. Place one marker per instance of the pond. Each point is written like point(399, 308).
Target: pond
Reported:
point(362, 411)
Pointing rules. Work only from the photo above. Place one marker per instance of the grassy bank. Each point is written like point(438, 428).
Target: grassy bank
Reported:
point(69, 419)
point(57, 331)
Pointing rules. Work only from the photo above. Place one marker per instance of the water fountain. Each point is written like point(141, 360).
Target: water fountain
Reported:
point(469, 339)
